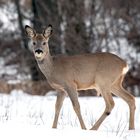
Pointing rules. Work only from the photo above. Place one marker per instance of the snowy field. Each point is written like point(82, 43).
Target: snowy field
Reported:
point(30, 118)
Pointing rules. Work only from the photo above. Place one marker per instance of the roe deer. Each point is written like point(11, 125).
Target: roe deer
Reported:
point(103, 72)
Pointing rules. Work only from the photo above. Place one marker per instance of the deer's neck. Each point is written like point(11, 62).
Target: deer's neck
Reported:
point(46, 65)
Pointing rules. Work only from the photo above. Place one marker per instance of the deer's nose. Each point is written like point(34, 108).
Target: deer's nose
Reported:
point(38, 51)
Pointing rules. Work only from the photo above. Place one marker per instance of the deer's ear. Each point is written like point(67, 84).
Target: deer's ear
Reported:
point(30, 31)
point(48, 31)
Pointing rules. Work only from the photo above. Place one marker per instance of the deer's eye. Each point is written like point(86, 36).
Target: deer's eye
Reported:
point(44, 43)
point(34, 43)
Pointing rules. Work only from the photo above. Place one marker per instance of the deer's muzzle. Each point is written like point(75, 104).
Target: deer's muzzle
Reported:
point(38, 53)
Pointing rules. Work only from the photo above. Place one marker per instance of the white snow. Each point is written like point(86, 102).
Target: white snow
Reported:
point(30, 117)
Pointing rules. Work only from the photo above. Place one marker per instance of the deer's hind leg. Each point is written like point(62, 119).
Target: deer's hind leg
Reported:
point(118, 90)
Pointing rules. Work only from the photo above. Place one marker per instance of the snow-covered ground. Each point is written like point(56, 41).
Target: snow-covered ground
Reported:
point(30, 117)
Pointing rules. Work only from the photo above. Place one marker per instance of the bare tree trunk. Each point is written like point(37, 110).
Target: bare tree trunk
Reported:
point(24, 42)
point(36, 18)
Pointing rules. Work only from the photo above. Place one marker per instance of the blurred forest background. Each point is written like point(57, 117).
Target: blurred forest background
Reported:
point(80, 26)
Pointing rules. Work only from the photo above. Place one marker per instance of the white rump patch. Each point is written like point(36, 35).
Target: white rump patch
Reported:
point(125, 69)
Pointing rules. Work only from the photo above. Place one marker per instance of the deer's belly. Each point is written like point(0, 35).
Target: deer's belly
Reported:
point(85, 86)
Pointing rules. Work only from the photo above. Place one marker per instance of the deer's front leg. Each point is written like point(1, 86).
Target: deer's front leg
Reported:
point(76, 106)
point(59, 101)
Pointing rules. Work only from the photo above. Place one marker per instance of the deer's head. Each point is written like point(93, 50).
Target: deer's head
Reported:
point(39, 42)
